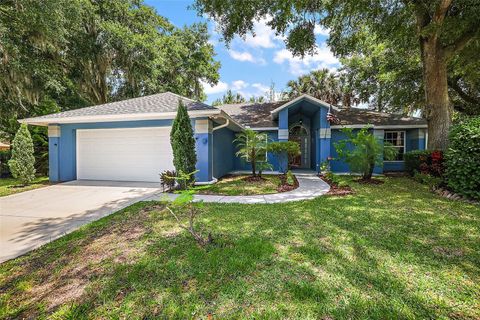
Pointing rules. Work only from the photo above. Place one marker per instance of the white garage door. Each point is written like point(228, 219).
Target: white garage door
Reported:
point(134, 154)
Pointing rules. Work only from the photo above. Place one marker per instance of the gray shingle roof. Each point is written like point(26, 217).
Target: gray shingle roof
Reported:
point(357, 116)
point(155, 103)
point(254, 115)
point(257, 115)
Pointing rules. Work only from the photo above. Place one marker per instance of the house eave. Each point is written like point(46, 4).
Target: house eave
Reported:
point(116, 117)
point(393, 126)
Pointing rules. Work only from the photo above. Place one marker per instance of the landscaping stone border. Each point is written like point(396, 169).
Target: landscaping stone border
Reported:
point(453, 196)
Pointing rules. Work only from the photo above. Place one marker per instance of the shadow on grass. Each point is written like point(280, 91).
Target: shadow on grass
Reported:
point(372, 255)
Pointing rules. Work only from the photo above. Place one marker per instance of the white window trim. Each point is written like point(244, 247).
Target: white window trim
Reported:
point(404, 143)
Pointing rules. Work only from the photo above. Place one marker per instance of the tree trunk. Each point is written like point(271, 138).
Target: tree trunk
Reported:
point(438, 108)
point(254, 169)
point(368, 175)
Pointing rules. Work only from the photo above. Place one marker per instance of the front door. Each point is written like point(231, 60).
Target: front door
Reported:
point(298, 133)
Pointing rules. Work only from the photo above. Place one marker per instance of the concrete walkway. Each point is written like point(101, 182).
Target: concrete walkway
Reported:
point(310, 186)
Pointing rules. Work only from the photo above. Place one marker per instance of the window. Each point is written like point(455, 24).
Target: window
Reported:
point(397, 140)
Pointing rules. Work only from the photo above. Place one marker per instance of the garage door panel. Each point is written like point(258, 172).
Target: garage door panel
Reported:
point(133, 154)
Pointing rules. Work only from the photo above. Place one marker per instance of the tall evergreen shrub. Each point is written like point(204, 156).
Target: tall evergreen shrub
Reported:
point(22, 162)
point(462, 158)
point(183, 142)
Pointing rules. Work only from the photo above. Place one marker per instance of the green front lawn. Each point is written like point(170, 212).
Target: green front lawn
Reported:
point(10, 186)
point(390, 251)
point(240, 185)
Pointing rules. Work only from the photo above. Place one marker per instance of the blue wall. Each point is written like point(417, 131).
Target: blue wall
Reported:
point(339, 165)
point(414, 140)
point(223, 152)
point(241, 164)
point(62, 150)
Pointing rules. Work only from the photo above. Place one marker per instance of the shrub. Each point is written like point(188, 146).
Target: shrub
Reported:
point(290, 178)
point(425, 178)
point(22, 162)
point(4, 157)
point(285, 151)
point(362, 151)
point(462, 159)
point(183, 142)
point(424, 161)
point(167, 179)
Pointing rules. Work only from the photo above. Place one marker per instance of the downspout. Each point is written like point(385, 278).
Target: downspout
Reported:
point(222, 125)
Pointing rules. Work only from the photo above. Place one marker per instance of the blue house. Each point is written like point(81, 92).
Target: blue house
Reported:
point(130, 140)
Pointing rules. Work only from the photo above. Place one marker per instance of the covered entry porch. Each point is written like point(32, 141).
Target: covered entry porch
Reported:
point(304, 120)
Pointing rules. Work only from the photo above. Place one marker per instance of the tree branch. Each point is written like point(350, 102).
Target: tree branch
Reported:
point(461, 41)
point(465, 96)
point(441, 11)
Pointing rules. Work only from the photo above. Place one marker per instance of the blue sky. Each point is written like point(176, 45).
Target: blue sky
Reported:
point(250, 65)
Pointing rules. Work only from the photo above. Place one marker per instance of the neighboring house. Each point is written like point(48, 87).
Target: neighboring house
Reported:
point(130, 140)
point(4, 146)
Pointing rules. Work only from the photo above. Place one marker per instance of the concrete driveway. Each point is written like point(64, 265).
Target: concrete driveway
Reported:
point(33, 218)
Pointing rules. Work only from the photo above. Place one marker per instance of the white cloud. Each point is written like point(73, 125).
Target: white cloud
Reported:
point(319, 30)
point(263, 36)
point(239, 85)
point(241, 56)
point(219, 87)
point(261, 88)
point(322, 58)
point(245, 56)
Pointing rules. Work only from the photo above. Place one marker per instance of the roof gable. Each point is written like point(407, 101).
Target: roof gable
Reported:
point(301, 98)
point(147, 106)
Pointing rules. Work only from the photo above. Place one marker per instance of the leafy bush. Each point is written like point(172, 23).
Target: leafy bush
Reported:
point(22, 162)
point(167, 179)
point(185, 179)
point(263, 166)
point(290, 178)
point(285, 151)
point(424, 161)
point(362, 151)
point(425, 178)
point(4, 157)
point(462, 159)
point(183, 142)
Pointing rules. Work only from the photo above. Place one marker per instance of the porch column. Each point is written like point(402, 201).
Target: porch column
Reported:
point(283, 125)
point(379, 135)
point(204, 149)
point(54, 132)
point(422, 142)
point(283, 136)
point(324, 138)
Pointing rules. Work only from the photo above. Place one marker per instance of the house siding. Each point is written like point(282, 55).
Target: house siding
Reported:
point(223, 152)
point(240, 164)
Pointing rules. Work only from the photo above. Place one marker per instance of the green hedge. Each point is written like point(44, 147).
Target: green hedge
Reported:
point(413, 160)
point(462, 158)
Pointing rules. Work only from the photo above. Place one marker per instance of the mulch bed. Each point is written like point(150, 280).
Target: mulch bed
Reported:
point(335, 190)
point(253, 179)
point(284, 186)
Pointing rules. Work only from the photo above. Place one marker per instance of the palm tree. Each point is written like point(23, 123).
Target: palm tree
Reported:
point(324, 85)
point(252, 146)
